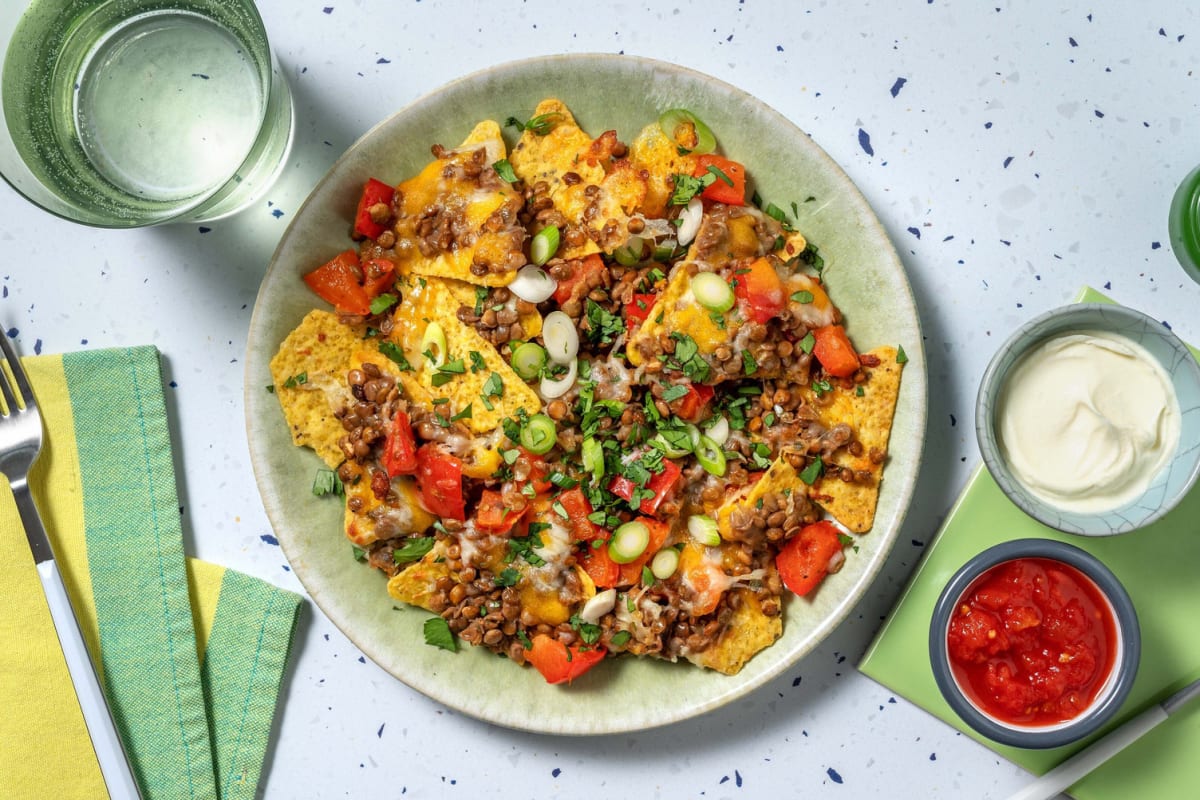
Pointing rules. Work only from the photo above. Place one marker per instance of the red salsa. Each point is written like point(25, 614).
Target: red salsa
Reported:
point(1032, 641)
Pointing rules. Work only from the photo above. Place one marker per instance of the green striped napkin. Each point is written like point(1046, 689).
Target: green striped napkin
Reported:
point(191, 654)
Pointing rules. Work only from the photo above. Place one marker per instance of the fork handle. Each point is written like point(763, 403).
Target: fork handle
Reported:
point(114, 766)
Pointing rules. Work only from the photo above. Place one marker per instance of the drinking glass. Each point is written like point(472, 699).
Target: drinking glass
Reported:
point(126, 113)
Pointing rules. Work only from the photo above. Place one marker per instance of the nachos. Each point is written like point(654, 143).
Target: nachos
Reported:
point(585, 399)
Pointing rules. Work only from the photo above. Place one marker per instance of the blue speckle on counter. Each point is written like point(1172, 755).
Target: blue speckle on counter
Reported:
point(277, 213)
point(987, 126)
point(778, 48)
point(796, 681)
point(892, 700)
point(933, 756)
point(1155, 245)
point(554, 773)
point(917, 543)
point(737, 778)
point(833, 775)
point(864, 141)
point(382, 60)
point(286, 568)
point(953, 421)
point(379, 733)
point(362, 659)
point(898, 85)
point(37, 347)
point(1099, 114)
point(915, 232)
point(1008, 161)
point(172, 384)
point(12, 333)
point(327, 9)
point(269, 539)
point(1074, 43)
point(205, 229)
point(1108, 285)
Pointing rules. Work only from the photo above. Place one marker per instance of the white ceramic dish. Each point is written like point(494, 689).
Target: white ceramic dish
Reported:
point(864, 276)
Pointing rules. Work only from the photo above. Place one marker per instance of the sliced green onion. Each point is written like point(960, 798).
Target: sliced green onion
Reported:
point(694, 435)
point(532, 284)
point(674, 119)
point(664, 250)
point(539, 434)
point(689, 220)
point(703, 529)
point(561, 337)
point(712, 291)
point(544, 245)
point(664, 563)
point(710, 456)
point(433, 341)
point(557, 387)
point(631, 253)
point(718, 431)
point(593, 458)
point(628, 542)
point(528, 360)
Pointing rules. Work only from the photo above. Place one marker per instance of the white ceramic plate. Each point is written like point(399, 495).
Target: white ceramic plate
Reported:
point(864, 276)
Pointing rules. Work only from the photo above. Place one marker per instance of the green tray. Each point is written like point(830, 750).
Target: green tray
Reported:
point(1160, 567)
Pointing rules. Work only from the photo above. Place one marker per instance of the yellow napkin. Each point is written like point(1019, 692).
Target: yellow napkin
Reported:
point(191, 654)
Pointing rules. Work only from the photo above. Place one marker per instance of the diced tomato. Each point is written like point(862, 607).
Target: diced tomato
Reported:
point(559, 663)
point(660, 483)
point(539, 471)
point(638, 310)
point(400, 448)
point(760, 291)
point(692, 404)
point(566, 286)
point(731, 192)
point(599, 566)
point(804, 561)
point(439, 475)
point(374, 193)
point(492, 515)
point(348, 286)
point(632, 572)
point(835, 352)
point(576, 504)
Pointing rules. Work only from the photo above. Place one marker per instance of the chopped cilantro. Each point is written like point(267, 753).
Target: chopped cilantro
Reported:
point(383, 302)
point(505, 171)
point(493, 386)
point(749, 365)
point(437, 633)
point(858, 391)
point(327, 482)
point(821, 387)
point(523, 638)
point(675, 392)
point(507, 577)
point(588, 632)
point(481, 294)
point(620, 638)
point(803, 296)
point(687, 187)
point(539, 125)
point(477, 362)
point(807, 343)
point(358, 552)
point(603, 325)
point(299, 379)
point(901, 356)
point(413, 550)
point(396, 355)
point(464, 414)
point(813, 471)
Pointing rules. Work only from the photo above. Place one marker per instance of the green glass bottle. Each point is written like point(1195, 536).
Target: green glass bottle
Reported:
point(1183, 224)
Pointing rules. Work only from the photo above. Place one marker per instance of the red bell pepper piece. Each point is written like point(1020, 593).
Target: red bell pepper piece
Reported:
point(638, 310)
point(400, 447)
point(559, 663)
point(439, 475)
point(760, 291)
point(691, 405)
point(833, 349)
point(599, 566)
point(731, 192)
point(348, 286)
point(576, 504)
point(632, 572)
point(374, 193)
point(590, 263)
point(660, 483)
point(492, 515)
point(804, 561)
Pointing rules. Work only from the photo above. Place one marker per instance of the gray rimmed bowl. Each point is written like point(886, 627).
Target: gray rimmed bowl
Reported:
point(1172, 482)
point(1111, 695)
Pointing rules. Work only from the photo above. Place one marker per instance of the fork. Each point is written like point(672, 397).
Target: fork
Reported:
point(20, 443)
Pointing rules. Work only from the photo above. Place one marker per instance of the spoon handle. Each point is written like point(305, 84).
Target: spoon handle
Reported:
point(1086, 760)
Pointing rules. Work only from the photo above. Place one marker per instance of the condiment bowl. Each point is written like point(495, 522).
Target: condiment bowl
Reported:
point(1110, 598)
point(1167, 486)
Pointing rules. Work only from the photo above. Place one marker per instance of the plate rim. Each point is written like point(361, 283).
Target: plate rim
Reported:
point(914, 385)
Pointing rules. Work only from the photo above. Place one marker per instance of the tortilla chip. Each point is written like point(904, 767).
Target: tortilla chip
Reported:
point(417, 583)
point(441, 184)
point(779, 477)
point(870, 417)
point(748, 632)
point(309, 371)
point(431, 300)
point(601, 192)
point(374, 520)
point(464, 293)
point(656, 153)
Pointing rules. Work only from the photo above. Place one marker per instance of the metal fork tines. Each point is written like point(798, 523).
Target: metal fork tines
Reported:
point(20, 442)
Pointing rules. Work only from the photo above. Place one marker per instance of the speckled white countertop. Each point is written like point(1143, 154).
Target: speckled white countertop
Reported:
point(1014, 151)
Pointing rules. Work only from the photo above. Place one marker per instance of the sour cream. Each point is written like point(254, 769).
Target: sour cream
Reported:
point(1086, 420)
